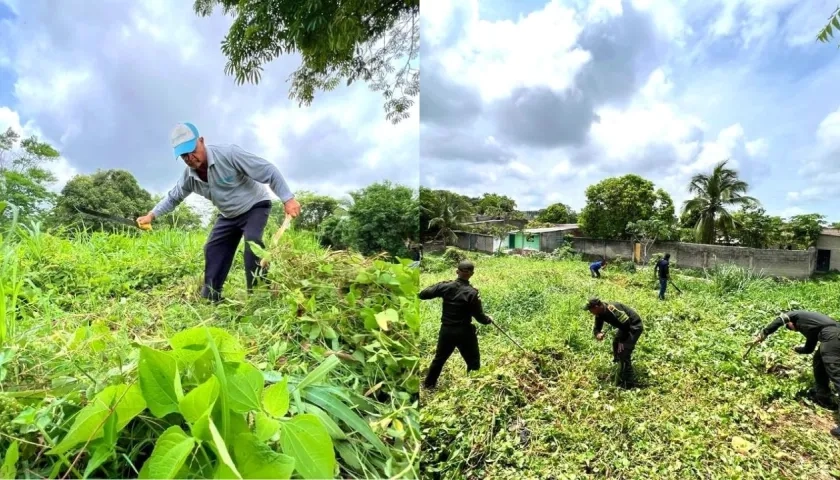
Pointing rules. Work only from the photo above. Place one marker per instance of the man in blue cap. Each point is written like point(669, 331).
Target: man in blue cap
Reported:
point(234, 180)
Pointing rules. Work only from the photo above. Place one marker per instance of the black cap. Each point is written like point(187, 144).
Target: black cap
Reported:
point(466, 266)
point(593, 302)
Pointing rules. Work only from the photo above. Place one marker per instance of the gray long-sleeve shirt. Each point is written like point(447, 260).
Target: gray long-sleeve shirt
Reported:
point(235, 182)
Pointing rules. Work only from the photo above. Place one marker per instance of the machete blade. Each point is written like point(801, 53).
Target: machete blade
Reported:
point(112, 218)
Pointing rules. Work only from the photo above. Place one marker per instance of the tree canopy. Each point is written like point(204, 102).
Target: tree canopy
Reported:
point(376, 42)
point(24, 177)
point(715, 194)
point(615, 202)
point(557, 213)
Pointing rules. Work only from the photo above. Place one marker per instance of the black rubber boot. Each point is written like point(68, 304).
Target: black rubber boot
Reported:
point(822, 398)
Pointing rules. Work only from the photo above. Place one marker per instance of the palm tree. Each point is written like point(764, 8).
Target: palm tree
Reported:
point(447, 211)
point(713, 194)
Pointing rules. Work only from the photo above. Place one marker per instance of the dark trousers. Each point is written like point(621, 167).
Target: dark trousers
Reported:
point(595, 272)
point(625, 357)
point(663, 284)
point(462, 337)
point(827, 364)
point(222, 244)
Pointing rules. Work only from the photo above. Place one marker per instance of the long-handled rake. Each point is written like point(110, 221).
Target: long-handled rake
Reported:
point(508, 336)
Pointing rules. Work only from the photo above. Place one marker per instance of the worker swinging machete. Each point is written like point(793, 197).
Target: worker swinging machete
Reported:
point(114, 218)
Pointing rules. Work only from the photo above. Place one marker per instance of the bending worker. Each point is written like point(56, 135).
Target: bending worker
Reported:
point(815, 327)
point(234, 180)
point(461, 303)
point(595, 268)
point(629, 328)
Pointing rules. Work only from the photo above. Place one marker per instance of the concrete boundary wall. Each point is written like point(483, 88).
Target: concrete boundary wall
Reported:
point(777, 263)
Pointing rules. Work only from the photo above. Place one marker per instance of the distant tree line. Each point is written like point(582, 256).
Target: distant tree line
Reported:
point(381, 217)
point(631, 207)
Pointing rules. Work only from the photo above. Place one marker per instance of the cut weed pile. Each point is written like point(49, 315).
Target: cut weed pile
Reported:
point(112, 367)
point(701, 412)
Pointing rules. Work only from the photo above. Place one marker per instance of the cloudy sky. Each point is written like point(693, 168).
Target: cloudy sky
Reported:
point(537, 100)
point(105, 81)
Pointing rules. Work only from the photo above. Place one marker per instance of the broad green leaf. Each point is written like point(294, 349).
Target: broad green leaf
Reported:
point(335, 431)
point(276, 398)
point(265, 426)
point(308, 442)
point(245, 386)
point(158, 371)
point(257, 460)
point(101, 452)
point(187, 356)
point(89, 421)
point(223, 472)
point(199, 400)
point(384, 319)
point(200, 429)
point(229, 347)
point(222, 450)
point(337, 409)
point(171, 450)
point(319, 372)
point(10, 459)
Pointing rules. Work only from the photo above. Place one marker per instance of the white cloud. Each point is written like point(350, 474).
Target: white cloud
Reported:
point(61, 167)
point(500, 56)
point(104, 83)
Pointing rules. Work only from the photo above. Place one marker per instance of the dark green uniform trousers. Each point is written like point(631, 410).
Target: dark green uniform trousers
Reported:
point(827, 361)
point(624, 359)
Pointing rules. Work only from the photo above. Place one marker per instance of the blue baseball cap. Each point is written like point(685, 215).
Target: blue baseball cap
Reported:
point(184, 138)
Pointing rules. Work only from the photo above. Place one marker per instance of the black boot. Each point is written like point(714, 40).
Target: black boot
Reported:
point(822, 398)
point(626, 377)
point(836, 431)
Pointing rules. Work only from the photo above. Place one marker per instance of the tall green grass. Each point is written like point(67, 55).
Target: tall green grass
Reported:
point(556, 412)
point(77, 310)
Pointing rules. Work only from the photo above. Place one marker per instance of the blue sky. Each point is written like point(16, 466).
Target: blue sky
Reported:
point(105, 82)
point(7, 76)
point(555, 96)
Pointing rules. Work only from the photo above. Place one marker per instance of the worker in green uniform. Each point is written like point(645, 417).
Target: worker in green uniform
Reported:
point(815, 327)
point(629, 328)
point(461, 303)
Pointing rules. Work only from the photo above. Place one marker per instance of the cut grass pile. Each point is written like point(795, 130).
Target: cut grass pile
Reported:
point(111, 366)
point(702, 412)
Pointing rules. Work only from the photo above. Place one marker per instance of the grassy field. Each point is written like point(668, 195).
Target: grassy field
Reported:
point(702, 411)
point(107, 369)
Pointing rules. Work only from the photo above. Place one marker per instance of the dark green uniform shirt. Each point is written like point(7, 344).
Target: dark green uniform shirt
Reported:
point(619, 316)
point(809, 324)
point(461, 302)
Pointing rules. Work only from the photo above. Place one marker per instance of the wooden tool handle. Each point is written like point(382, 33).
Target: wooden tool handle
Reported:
point(276, 237)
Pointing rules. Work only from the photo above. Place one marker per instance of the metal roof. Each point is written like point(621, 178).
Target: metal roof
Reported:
point(558, 228)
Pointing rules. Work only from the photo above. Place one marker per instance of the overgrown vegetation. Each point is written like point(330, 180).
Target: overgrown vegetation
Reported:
point(703, 411)
point(112, 367)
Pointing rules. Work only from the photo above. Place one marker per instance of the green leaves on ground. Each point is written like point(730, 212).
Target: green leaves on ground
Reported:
point(124, 401)
point(172, 449)
point(112, 392)
point(305, 438)
point(160, 381)
point(213, 410)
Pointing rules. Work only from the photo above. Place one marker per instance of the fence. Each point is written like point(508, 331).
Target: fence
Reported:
point(476, 242)
point(777, 263)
